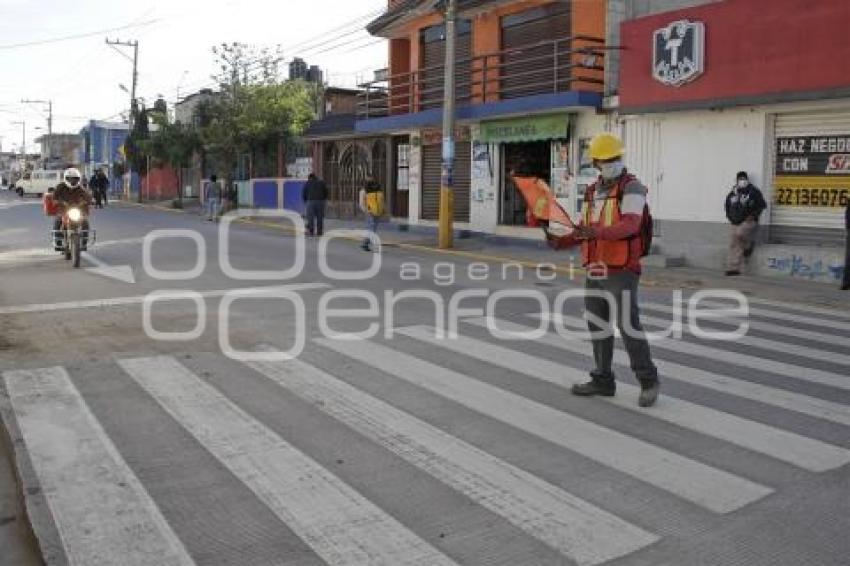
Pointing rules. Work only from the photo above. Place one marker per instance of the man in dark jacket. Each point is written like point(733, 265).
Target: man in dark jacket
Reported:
point(744, 205)
point(845, 285)
point(315, 194)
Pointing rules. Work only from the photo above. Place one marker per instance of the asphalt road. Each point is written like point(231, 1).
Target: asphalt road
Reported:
point(160, 421)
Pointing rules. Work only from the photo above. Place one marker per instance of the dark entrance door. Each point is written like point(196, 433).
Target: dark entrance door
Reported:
point(531, 159)
point(401, 170)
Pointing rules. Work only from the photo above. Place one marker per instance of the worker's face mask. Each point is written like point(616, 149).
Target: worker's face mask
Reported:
point(610, 169)
point(743, 183)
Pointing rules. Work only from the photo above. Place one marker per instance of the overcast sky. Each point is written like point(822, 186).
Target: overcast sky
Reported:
point(82, 75)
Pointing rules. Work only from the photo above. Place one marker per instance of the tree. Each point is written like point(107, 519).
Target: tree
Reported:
point(255, 111)
point(172, 144)
point(134, 146)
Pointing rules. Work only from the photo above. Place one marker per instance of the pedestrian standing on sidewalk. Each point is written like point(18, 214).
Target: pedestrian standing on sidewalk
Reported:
point(103, 185)
point(845, 285)
point(314, 195)
point(613, 234)
point(212, 198)
point(744, 205)
point(94, 188)
point(372, 204)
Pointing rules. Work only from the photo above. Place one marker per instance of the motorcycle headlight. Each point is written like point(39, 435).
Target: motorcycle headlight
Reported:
point(74, 215)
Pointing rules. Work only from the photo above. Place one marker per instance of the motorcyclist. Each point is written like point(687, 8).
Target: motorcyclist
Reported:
point(70, 193)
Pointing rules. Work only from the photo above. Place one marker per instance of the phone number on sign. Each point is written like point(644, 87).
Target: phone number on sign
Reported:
point(798, 196)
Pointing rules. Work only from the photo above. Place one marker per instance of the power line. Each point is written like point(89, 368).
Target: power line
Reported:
point(253, 65)
point(78, 36)
point(356, 21)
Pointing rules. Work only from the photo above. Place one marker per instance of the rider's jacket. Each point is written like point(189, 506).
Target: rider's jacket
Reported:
point(71, 196)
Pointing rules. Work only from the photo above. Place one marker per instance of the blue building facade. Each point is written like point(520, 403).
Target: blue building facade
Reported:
point(103, 141)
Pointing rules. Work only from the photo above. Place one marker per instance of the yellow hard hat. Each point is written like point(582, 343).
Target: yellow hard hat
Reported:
point(606, 146)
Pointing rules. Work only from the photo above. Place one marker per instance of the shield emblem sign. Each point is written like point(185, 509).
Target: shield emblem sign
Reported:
point(679, 53)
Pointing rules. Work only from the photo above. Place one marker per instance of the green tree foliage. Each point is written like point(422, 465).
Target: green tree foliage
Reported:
point(172, 144)
point(255, 110)
point(136, 140)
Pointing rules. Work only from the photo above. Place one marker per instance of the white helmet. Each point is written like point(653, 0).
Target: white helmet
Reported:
point(72, 177)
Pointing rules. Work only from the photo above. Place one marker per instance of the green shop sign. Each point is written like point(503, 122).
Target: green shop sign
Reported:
point(531, 128)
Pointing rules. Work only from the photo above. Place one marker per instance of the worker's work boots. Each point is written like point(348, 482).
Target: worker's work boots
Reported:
point(649, 389)
point(602, 386)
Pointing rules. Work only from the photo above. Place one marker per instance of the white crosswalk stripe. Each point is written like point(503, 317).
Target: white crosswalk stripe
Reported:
point(798, 450)
point(807, 309)
point(780, 398)
point(709, 487)
point(812, 375)
point(580, 531)
point(766, 344)
point(339, 524)
point(102, 512)
point(770, 327)
point(775, 314)
point(90, 484)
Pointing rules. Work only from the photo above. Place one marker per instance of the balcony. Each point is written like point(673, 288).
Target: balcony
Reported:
point(545, 68)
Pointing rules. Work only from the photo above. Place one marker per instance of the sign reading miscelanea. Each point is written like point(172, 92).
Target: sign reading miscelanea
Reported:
point(678, 55)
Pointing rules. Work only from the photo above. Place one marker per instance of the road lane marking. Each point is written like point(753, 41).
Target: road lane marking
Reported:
point(137, 300)
point(769, 327)
point(708, 487)
point(768, 344)
point(787, 400)
point(789, 317)
point(102, 512)
point(586, 534)
point(800, 451)
point(339, 524)
point(807, 309)
point(776, 367)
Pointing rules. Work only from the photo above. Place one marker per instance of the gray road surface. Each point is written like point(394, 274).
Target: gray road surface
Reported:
point(402, 448)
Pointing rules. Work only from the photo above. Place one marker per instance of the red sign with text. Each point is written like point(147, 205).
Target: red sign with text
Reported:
point(753, 51)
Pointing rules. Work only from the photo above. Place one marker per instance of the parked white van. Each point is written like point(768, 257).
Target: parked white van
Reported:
point(39, 182)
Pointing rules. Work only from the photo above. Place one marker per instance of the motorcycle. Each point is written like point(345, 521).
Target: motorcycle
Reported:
point(74, 236)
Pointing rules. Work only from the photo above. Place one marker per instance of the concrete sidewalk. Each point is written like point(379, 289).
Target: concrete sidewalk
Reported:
point(17, 544)
point(498, 249)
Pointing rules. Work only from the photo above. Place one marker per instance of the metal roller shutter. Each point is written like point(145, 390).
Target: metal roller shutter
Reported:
point(432, 171)
point(532, 71)
point(434, 60)
point(807, 225)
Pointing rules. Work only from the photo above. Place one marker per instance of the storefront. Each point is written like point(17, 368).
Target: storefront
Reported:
point(697, 108)
point(811, 177)
point(534, 146)
point(432, 163)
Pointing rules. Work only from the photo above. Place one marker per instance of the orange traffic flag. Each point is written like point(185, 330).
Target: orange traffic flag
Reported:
point(541, 201)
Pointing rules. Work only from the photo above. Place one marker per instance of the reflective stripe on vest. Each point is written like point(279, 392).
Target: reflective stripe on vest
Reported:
point(612, 253)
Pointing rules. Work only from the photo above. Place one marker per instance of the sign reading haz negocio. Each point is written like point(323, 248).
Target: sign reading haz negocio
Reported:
point(678, 54)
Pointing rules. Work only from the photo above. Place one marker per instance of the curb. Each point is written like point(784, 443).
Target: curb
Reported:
point(38, 521)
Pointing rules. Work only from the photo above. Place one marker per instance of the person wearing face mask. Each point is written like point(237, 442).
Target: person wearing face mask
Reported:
point(613, 237)
point(744, 205)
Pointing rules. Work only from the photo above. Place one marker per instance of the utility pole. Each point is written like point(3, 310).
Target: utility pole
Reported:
point(49, 104)
point(446, 228)
point(135, 45)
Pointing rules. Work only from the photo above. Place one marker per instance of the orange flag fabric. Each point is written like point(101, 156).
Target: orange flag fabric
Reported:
point(541, 201)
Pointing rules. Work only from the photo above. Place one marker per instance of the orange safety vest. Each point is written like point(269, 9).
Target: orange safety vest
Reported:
point(611, 253)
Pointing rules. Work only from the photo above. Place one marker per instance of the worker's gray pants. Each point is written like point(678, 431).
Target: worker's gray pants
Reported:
point(618, 292)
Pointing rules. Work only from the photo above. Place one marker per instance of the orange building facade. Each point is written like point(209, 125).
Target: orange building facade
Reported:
point(529, 83)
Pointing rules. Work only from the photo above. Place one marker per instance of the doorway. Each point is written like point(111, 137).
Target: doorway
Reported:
point(528, 159)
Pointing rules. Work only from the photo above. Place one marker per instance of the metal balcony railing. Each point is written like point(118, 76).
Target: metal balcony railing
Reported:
point(572, 63)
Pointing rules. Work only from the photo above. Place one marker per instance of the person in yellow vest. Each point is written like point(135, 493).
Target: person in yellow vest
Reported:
point(612, 235)
point(372, 204)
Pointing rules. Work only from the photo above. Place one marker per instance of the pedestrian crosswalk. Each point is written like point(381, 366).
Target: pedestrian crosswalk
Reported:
point(102, 505)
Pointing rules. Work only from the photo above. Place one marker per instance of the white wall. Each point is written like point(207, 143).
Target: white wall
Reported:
point(414, 195)
point(698, 156)
point(484, 189)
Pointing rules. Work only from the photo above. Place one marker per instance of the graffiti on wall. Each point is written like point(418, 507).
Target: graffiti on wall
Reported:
point(818, 267)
